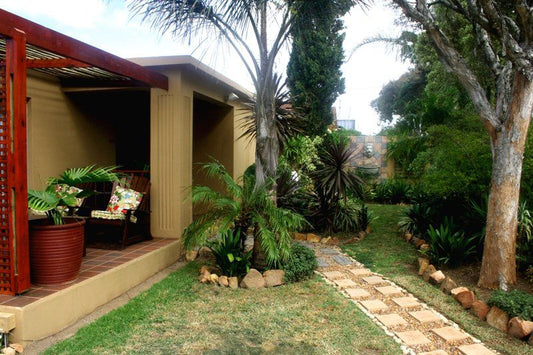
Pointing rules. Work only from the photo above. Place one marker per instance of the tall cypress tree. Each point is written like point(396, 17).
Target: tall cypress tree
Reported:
point(314, 76)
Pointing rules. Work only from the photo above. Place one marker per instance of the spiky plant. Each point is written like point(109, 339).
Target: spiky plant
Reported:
point(60, 192)
point(239, 207)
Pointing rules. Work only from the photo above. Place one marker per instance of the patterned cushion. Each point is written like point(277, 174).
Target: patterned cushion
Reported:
point(111, 215)
point(64, 189)
point(123, 200)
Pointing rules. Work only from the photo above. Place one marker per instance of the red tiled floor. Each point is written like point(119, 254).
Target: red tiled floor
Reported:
point(94, 263)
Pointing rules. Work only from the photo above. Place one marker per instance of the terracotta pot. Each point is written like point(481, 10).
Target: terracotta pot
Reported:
point(56, 251)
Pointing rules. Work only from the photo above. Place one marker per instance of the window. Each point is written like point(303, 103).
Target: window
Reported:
point(346, 124)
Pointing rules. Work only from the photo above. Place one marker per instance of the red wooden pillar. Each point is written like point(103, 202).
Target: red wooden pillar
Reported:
point(14, 246)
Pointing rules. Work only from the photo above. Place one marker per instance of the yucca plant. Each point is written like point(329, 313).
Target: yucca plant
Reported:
point(231, 259)
point(61, 193)
point(239, 207)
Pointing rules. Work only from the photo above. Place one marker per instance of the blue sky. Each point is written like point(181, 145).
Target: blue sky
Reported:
point(107, 24)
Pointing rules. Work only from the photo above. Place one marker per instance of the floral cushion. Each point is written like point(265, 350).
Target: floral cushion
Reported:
point(123, 200)
point(111, 215)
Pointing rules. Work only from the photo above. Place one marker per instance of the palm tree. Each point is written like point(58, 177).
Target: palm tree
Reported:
point(244, 25)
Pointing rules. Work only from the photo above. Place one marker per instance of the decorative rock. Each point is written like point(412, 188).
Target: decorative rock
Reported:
point(423, 263)
point(334, 241)
point(498, 319)
point(300, 236)
point(233, 282)
point(253, 280)
point(417, 242)
point(448, 285)
point(9, 351)
point(520, 328)
point(480, 309)
point(205, 277)
point(203, 269)
point(427, 273)
point(454, 292)
point(18, 347)
point(424, 247)
point(362, 235)
point(273, 278)
point(436, 278)
point(213, 278)
point(466, 298)
point(368, 230)
point(223, 281)
point(191, 255)
point(313, 238)
point(325, 240)
point(408, 236)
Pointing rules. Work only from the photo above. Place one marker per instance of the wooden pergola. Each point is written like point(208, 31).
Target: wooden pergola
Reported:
point(27, 45)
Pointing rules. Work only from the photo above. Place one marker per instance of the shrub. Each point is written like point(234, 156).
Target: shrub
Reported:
point(301, 264)
point(364, 217)
point(524, 250)
point(393, 191)
point(515, 303)
point(229, 255)
point(449, 246)
point(345, 218)
point(417, 219)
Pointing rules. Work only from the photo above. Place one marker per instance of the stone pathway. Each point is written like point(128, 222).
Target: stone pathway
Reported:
point(416, 326)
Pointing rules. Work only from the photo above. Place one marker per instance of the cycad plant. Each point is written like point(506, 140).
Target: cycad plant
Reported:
point(61, 193)
point(239, 207)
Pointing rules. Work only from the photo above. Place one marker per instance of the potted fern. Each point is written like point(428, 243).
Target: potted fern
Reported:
point(56, 242)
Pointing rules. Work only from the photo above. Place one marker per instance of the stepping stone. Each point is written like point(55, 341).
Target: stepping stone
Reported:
point(374, 305)
point(322, 262)
point(391, 320)
point(329, 251)
point(344, 283)
point(332, 275)
point(406, 302)
point(342, 260)
point(357, 293)
point(360, 272)
point(434, 352)
point(389, 290)
point(374, 280)
point(413, 337)
point(475, 349)
point(425, 316)
point(450, 334)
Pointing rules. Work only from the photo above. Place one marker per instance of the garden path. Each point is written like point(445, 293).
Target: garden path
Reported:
point(417, 327)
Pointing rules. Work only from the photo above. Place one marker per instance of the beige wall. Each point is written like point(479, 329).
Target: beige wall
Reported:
point(60, 135)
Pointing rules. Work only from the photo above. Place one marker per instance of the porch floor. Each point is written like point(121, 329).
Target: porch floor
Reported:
point(94, 263)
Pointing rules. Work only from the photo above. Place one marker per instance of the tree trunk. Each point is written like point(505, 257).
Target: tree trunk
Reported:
point(498, 268)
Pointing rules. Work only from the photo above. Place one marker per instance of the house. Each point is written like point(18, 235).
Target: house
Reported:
point(64, 104)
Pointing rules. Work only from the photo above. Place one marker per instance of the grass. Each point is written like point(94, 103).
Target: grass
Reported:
point(180, 315)
point(385, 252)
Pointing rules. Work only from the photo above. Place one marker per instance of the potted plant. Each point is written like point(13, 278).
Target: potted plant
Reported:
point(56, 242)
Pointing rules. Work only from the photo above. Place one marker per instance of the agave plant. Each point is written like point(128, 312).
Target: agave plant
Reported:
point(239, 207)
point(61, 193)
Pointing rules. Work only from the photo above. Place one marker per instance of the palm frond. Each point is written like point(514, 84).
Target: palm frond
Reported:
point(42, 200)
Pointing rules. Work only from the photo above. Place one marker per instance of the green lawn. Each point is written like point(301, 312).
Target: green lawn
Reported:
point(385, 252)
point(180, 315)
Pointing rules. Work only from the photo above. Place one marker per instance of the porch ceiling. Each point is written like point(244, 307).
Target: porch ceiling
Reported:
point(75, 63)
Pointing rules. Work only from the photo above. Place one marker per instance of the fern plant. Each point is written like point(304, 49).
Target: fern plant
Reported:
point(240, 206)
point(61, 192)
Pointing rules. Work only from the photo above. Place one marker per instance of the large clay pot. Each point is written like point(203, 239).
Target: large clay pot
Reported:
point(56, 251)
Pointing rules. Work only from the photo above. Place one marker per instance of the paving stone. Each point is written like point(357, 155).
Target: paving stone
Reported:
point(391, 320)
point(406, 302)
point(450, 334)
point(344, 283)
point(360, 272)
point(374, 280)
point(322, 262)
point(374, 305)
point(475, 349)
point(425, 316)
point(342, 260)
point(434, 352)
point(357, 293)
point(413, 337)
point(389, 290)
point(329, 251)
point(332, 275)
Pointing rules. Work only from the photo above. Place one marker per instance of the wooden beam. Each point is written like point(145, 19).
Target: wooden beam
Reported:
point(69, 47)
point(55, 63)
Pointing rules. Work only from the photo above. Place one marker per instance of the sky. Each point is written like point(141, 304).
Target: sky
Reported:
point(108, 25)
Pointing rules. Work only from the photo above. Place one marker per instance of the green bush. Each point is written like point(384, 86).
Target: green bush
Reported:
point(393, 191)
point(515, 303)
point(229, 255)
point(301, 264)
point(448, 245)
